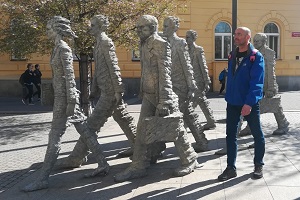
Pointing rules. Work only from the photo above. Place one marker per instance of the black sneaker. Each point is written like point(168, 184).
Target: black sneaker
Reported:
point(228, 173)
point(258, 172)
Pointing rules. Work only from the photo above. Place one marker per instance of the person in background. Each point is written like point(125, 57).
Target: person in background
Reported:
point(37, 81)
point(245, 81)
point(28, 82)
point(222, 79)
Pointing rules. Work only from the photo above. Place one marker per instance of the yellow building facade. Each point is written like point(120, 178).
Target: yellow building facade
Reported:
point(280, 20)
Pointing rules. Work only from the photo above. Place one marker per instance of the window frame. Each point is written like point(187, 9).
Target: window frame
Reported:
point(277, 35)
point(222, 35)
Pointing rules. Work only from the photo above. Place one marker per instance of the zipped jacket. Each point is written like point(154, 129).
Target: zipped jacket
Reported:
point(245, 84)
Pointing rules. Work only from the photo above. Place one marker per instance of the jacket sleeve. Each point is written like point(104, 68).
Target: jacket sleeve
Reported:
point(270, 78)
point(163, 53)
point(113, 67)
point(186, 64)
point(67, 63)
point(203, 66)
point(255, 92)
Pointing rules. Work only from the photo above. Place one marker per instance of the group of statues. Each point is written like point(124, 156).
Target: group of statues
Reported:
point(174, 80)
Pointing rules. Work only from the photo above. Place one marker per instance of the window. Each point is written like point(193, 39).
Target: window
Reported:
point(135, 55)
point(223, 40)
point(17, 57)
point(272, 32)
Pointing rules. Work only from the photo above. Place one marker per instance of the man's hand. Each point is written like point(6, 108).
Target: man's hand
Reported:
point(162, 110)
point(118, 97)
point(246, 110)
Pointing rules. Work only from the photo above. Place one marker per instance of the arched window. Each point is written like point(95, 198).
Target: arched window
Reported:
point(223, 40)
point(273, 34)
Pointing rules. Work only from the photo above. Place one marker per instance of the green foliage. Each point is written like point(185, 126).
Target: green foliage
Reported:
point(22, 30)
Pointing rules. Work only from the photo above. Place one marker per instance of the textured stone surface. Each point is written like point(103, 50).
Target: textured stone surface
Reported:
point(162, 129)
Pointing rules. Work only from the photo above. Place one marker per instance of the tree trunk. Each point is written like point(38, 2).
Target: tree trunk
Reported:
point(85, 82)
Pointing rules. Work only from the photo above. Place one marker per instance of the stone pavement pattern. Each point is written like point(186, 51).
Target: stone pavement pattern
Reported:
point(24, 137)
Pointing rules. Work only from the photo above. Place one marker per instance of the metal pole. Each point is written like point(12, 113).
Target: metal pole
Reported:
point(234, 20)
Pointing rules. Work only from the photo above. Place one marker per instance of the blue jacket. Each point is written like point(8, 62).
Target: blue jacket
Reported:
point(245, 85)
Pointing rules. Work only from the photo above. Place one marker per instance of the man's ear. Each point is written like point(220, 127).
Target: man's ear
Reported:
point(249, 38)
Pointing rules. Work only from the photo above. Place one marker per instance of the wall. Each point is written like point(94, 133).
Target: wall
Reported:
point(202, 16)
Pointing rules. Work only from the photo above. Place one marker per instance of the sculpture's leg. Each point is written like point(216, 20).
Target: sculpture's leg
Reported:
point(245, 131)
point(140, 160)
point(208, 113)
point(192, 121)
point(283, 124)
point(99, 116)
point(127, 124)
point(77, 157)
point(52, 152)
point(187, 155)
point(91, 141)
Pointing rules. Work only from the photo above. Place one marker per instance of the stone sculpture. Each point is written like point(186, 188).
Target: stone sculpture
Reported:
point(201, 76)
point(66, 103)
point(158, 100)
point(108, 84)
point(184, 84)
point(271, 103)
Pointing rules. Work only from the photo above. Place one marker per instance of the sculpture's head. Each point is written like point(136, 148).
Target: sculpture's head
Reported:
point(191, 37)
point(259, 40)
point(171, 25)
point(59, 26)
point(99, 23)
point(146, 25)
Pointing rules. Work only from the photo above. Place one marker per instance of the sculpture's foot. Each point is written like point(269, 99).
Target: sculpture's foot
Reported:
point(69, 162)
point(130, 173)
point(126, 153)
point(154, 158)
point(281, 131)
point(244, 132)
point(98, 171)
point(200, 147)
point(209, 126)
point(36, 185)
point(185, 170)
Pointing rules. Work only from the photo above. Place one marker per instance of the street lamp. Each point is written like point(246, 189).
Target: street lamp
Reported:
point(234, 20)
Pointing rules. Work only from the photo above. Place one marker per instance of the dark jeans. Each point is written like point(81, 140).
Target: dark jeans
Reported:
point(30, 93)
point(232, 122)
point(222, 87)
point(38, 90)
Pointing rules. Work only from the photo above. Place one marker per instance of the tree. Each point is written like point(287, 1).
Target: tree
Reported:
point(23, 28)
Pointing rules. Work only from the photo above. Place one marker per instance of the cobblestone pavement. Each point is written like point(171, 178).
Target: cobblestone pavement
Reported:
point(24, 138)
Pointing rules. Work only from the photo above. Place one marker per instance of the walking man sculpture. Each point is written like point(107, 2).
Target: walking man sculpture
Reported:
point(158, 100)
point(66, 102)
point(183, 81)
point(107, 83)
point(201, 76)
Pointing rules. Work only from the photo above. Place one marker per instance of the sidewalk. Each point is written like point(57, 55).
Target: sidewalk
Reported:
point(24, 137)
